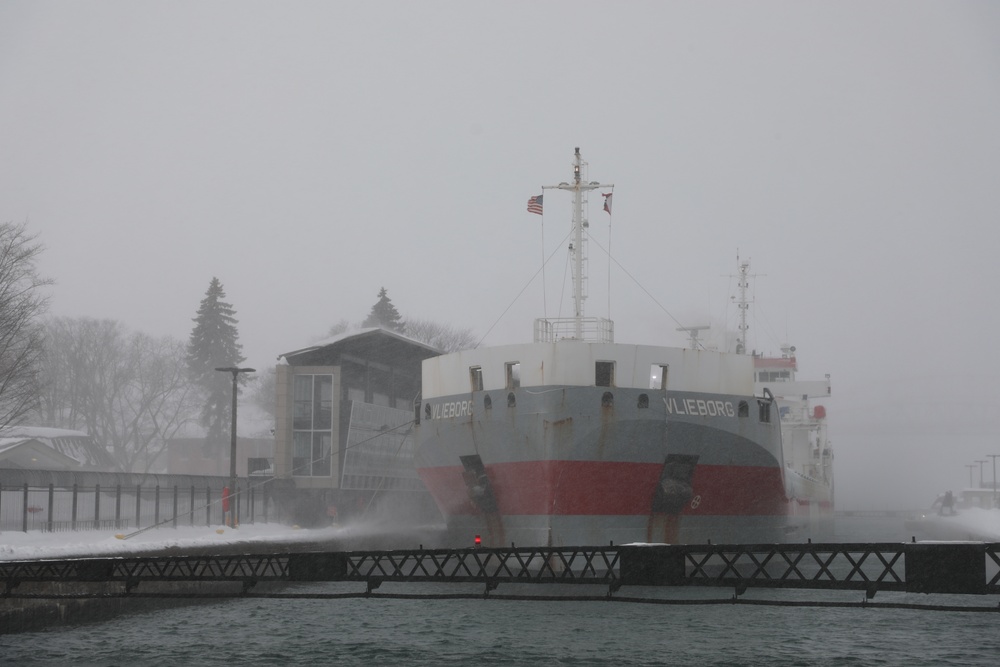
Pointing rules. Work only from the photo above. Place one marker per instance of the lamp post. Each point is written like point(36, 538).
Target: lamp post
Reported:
point(980, 472)
point(971, 467)
point(996, 501)
point(233, 499)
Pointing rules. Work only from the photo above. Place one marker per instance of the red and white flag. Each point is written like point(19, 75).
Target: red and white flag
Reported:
point(607, 202)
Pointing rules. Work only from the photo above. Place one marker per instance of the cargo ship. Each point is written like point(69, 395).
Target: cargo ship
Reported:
point(808, 451)
point(574, 439)
point(804, 436)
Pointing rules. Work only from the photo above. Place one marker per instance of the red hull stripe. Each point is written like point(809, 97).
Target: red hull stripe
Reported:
point(608, 488)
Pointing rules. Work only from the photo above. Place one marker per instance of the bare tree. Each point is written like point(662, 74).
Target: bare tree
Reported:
point(442, 336)
point(22, 302)
point(340, 327)
point(263, 392)
point(129, 391)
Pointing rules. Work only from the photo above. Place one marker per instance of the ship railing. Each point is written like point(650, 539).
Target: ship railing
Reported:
point(586, 329)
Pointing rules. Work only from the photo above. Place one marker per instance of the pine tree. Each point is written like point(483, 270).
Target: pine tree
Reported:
point(384, 314)
point(215, 343)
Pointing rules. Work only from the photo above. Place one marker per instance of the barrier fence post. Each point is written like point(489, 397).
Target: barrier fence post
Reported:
point(138, 503)
point(176, 490)
point(191, 514)
point(76, 500)
point(97, 506)
point(52, 502)
point(208, 505)
point(118, 506)
point(24, 510)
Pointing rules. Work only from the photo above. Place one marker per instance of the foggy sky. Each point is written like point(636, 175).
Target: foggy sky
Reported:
point(309, 153)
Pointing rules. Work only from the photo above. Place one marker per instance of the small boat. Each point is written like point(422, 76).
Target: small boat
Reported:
point(972, 515)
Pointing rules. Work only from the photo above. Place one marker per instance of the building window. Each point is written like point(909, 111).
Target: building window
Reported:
point(312, 423)
point(604, 374)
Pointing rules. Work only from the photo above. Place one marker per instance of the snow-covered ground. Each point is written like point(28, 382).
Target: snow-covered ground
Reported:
point(966, 524)
point(35, 545)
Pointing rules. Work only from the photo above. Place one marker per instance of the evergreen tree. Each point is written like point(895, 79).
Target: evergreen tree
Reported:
point(214, 343)
point(384, 314)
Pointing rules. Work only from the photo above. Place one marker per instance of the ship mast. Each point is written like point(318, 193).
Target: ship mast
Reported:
point(744, 269)
point(579, 260)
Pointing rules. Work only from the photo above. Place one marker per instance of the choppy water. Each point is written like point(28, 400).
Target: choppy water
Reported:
point(503, 632)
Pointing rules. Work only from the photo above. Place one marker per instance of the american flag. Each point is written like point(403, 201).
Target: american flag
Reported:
point(607, 202)
point(535, 204)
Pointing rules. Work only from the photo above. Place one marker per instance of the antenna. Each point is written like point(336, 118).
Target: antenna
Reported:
point(743, 304)
point(693, 332)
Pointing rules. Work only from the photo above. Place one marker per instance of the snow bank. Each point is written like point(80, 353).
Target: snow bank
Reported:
point(35, 545)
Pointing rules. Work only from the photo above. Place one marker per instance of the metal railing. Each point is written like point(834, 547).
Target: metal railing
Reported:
point(591, 329)
point(26, 508)
point(969, 568)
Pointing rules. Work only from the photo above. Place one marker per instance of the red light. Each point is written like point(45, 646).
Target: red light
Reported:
point(479, 540)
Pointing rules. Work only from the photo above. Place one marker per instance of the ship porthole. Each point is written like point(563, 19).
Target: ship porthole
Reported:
point(488, 402)
point(607, 400)
point(511, 400)
point(744, 409)
point(427, 410)
point(643, 401)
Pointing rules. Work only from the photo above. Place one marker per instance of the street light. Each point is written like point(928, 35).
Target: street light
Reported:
point(996, 501)
point(980, 472)
point(233, 500)
point(971, 467)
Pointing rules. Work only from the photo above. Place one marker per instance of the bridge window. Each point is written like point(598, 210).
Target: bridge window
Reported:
point(476, 377)
point(604, 374)
point(658, 376)
point(512, 370)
